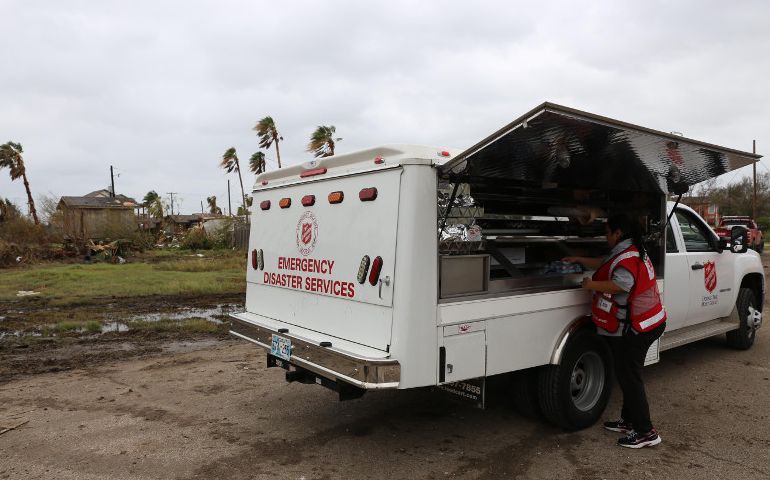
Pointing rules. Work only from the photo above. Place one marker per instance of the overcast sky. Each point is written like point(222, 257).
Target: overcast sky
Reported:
point(159, 89)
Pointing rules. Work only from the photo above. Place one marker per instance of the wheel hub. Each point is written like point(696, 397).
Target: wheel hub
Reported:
point(587, 381)
point(754, 318)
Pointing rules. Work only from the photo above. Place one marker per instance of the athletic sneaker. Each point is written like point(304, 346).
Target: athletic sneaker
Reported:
point(639, 440)
point(618, 426)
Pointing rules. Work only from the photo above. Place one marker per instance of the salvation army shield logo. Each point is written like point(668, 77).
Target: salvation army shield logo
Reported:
point(710, 276)
point(307, 233)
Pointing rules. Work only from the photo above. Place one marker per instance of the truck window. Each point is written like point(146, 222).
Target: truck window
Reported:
point(695, 233)
point(670, 240)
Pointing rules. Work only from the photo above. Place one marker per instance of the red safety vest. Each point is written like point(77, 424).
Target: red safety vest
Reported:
point(644, 307)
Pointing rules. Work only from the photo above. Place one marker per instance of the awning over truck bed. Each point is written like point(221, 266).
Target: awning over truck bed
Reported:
point(554, 145)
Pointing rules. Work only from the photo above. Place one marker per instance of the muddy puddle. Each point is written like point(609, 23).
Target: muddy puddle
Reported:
point(216, 315)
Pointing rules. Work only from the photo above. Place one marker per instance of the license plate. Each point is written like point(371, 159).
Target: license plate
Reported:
point(281, 347)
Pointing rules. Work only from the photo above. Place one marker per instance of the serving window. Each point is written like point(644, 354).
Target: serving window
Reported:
point(499, 238)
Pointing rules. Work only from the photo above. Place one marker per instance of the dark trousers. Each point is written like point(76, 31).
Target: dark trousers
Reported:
point(628, 352)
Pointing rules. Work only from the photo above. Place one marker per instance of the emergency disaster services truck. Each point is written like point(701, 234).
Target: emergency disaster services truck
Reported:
point(403, 266)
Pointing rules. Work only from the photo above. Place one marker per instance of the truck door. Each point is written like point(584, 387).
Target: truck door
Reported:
point(711, 272)
point(676, 286)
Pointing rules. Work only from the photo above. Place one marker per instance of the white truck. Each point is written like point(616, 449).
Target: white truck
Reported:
point(403, 266)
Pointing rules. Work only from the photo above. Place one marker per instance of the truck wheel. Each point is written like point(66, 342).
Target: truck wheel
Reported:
point(751, 319)
point(574, 394)
point(522, 391)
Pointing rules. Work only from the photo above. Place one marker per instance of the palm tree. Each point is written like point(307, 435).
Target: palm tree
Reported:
point(152, 202)
point(257, 163)
point(213, 209)
point(230, 162)
point(10, 157)
point(322, 141)
point(268, 134)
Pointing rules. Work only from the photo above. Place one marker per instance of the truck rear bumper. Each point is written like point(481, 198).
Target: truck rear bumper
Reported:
point(335, 364)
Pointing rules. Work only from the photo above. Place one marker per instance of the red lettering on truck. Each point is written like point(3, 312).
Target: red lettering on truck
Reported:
point(309, 265)
point(310, 284)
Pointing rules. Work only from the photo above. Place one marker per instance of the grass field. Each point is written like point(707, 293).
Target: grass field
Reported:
point(162, 273)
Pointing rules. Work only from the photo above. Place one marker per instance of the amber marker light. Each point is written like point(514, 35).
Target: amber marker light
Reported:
point(367, 194)
point(285, 202)
point(336, 197)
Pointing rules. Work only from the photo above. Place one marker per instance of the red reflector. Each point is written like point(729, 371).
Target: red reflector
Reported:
point(367, 194)
point(312, 173)
point(285, 203)
point(379, 160)
point(254, 259)
point(443, 153)
point(264, 205)
point(308, 200)
point(374, 274)
point(336, 197)
point(264, 182)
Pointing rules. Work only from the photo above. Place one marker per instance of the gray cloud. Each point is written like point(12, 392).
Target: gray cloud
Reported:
point(160, 89)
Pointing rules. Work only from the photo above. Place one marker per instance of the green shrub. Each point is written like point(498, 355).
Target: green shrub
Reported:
point(196, 239)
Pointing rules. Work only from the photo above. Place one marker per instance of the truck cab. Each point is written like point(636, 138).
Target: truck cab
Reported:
point(408, 266)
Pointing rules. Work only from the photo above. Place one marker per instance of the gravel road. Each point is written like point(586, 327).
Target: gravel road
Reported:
point(212, 410)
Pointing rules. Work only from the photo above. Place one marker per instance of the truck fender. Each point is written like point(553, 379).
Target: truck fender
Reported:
point(584, 321)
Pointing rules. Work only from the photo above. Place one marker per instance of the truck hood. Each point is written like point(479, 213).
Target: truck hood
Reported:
point(553, 145)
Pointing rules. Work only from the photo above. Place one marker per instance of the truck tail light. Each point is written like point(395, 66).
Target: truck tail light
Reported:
point(264, 204)
point(260, 259)
point(308, 200)
point(254, 259)
point(363, 269)
point(379, 160)
point(336, 197)
point(374, 275)
point(368, 194)
point(443, 153)
point(312, 173)
point(285, 202)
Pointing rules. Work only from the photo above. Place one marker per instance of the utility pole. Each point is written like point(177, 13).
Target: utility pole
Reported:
point(172, 201)
point(229, 205)
point(112, 182)
point(201, 206)
point(754, 198)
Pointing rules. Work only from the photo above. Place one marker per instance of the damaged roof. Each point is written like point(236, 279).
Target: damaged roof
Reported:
point(553, 145)
point(98, 202)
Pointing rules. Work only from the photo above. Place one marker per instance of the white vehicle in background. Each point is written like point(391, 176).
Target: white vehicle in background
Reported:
point(402, 267)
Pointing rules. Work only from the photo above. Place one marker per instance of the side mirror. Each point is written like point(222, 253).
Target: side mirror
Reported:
point(722, 244)
point(739, 240)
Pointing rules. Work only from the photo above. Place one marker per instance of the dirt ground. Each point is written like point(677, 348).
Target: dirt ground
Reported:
point(203, 407)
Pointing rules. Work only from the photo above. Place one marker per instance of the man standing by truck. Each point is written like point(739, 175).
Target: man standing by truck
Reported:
point(626, 308)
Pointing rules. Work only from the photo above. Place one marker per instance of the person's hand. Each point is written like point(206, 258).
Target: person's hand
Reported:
point(586, 282)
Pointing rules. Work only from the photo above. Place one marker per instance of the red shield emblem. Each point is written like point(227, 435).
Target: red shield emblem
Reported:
point(307, 233)
point(710, 276)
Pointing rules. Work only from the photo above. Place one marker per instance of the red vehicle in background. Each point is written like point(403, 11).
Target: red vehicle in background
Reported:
point(756, 239)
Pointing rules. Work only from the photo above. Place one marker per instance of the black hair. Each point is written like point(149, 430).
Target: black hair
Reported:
point(630, 228)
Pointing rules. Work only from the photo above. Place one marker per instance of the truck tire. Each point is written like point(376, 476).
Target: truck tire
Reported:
point(743, 337)
point(522, 392)
point(573, 394)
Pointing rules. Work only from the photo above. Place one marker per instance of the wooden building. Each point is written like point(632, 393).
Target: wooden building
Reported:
point(97, 216)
